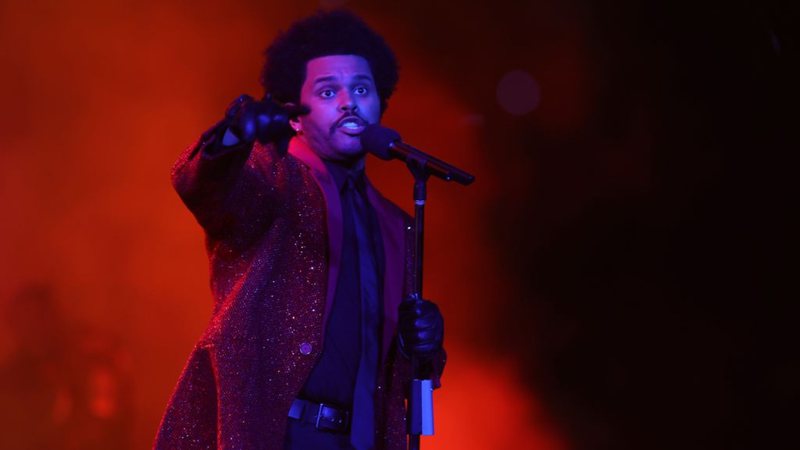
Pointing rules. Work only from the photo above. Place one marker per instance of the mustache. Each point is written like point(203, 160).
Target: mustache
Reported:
point(345, 117)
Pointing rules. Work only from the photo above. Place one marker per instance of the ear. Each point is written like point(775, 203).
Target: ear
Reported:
point(294, 121)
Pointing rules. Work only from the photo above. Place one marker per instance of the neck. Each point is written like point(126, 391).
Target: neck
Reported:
point(356, 163)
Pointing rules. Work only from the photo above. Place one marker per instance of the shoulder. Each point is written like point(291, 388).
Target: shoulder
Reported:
point(281, 168)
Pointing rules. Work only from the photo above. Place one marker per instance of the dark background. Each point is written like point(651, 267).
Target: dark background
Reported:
point(648, 223)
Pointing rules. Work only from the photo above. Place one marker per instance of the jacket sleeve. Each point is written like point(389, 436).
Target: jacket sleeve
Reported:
point(227, 189)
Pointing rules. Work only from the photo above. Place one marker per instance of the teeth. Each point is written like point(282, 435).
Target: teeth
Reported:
point(350, 125)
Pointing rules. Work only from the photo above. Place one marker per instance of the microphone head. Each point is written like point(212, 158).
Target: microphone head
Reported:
point(377, 140)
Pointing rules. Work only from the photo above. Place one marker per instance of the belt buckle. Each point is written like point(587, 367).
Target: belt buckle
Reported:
point(334, 422)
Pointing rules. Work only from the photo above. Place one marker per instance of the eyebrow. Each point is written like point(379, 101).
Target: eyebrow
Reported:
point(326, 79)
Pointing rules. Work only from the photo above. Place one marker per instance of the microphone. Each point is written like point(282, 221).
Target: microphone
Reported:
point(386, 144)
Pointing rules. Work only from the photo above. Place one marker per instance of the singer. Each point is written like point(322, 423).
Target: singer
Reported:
point(309, 341)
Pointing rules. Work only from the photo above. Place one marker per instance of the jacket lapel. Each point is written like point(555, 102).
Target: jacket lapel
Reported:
point(327, 185)
point(392, 234)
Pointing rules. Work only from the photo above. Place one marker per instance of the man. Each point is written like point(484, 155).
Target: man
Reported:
point(309, 340)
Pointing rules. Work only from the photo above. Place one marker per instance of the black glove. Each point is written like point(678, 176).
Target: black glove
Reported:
point(264, 120)
point(420, 328)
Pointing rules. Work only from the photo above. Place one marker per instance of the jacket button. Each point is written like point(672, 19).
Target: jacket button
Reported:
point(305, 348)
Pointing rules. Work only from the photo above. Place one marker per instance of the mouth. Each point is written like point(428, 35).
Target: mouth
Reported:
point(351, 125)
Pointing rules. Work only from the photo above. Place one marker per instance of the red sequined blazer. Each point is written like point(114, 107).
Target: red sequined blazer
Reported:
point(274, 235)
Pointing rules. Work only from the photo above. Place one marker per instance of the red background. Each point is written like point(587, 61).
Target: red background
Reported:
point(613, 279)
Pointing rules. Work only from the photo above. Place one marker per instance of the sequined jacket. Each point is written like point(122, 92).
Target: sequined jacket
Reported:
point(274, 236)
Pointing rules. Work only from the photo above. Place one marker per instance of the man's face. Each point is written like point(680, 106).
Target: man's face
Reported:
point(341, 93)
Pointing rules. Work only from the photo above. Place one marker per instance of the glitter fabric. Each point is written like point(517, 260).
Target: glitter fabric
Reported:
point(273, 234)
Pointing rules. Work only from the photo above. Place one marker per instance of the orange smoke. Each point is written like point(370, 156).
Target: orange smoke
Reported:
point(100, 97)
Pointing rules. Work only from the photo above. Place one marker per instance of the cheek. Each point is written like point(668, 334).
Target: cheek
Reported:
point(322, 115)
point(374, 108)
point(312, 120)
point(316, 127)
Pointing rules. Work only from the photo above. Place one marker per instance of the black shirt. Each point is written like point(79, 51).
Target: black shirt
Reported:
point(333, 378)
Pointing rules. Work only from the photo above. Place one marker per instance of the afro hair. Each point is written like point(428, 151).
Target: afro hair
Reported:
point(336, 32)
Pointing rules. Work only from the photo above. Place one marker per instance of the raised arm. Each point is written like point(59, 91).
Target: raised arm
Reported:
point(225, 177)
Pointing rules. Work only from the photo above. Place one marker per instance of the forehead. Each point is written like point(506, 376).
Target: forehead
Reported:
point(337, 67)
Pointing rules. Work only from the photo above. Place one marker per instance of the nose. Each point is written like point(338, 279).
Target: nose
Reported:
point(348, 103)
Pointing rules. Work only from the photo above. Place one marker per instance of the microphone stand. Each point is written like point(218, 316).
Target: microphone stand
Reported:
point(420, 399)
point(386, 144)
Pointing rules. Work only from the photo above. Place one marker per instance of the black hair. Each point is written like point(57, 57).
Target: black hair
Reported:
point(336, 32)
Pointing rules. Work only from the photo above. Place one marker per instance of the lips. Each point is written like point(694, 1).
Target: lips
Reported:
point(352, 125)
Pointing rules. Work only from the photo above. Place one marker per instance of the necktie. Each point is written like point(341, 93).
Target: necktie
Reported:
point(363, 423)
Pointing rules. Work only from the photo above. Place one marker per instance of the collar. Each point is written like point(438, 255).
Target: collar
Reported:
point(331, 171)
point(340, 173)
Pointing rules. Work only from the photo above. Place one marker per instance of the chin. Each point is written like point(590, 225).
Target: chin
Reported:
point(349, 155)
point(349, 151)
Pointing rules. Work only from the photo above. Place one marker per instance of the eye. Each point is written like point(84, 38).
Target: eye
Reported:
point(361, 90)
point(327, 93)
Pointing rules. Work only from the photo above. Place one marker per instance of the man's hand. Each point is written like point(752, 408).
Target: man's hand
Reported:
point(266, 121)
point(420, 328)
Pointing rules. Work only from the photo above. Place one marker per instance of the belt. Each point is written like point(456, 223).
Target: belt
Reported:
point(322, 416)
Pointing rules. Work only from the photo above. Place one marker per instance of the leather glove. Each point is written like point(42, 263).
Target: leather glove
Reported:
point(420, 328)
point(264, 120)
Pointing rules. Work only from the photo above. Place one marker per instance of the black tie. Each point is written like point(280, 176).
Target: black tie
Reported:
point(363, 425)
